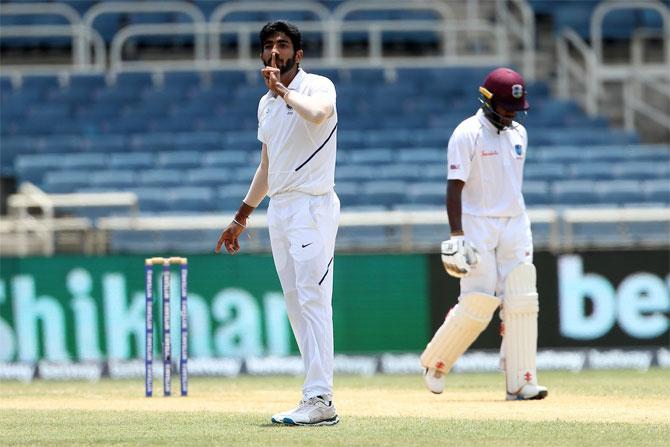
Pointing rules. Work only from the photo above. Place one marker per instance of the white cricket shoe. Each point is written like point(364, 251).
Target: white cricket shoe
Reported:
point(434, 380)
point(529, 392)
point(313, 411)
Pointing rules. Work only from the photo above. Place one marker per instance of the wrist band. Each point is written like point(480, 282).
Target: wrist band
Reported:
point(239, 223)
point(285, 94)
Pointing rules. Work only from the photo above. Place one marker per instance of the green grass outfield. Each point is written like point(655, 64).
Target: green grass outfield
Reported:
point(591, 408)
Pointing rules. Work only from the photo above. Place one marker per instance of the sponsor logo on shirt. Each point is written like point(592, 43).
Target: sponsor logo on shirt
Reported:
point(518, 149)
point(454, 167)
point(486, 153)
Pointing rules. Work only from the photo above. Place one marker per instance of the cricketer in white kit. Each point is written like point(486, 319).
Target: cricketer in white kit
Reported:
point(297, 126)
point(491, 246)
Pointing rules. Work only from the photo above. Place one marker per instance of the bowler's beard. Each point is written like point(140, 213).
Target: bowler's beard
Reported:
point(283, 69)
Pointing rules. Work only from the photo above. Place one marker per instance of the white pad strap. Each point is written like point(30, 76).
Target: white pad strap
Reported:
point(520, 309)
point(463, 324)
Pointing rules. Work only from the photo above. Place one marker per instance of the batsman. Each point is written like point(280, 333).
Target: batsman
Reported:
point(491, 246)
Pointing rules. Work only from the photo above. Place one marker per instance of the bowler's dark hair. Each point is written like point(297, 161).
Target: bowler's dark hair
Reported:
point(281, 26)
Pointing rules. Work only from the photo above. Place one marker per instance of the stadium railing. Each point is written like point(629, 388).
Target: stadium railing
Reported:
point(487, 43)
point(83, 37)
point(21, 223)
point(583, 71)
point(407, 230)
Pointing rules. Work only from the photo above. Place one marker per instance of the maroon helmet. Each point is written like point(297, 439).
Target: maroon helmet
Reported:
point(505, 87)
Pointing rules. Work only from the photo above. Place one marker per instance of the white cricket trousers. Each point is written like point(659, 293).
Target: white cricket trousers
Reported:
point(302, 234)
point(502, 243)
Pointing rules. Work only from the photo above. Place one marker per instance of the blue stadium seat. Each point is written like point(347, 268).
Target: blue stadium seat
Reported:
point(243, 173)
point(152, 199)
point(387, 192)
point(434, 171)
point(133, 81)
point(161, 177)
point(229, 197)
point(39, 82)
point(5, 85)
point(108, 143)
point(399, 171)
point(64, 144)
point(65, 181)
point(91, 161)
point(132, 160)
point(593, 170)
point(228, 78)
point(225, 158)
point(349, 193)
point(153, 142)
point(642, 170)
point(192, 198)
point(572, 192)
point(558, 154)
point(200, 141)
point(355, 172)
point(181, 80)
point(657, 190)
point(31, 168)
point(179, 159)
point(114, 179)
point(536, 193)
point(545, 171)
point(373, 156)
point(427, 193)
point(423, 155)
point(209, 176)
point(87, 81)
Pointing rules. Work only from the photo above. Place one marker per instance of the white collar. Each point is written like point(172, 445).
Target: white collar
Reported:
point(297, 80)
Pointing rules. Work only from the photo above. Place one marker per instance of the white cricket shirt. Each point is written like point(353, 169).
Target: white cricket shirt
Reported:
point(491, 165)
point(301, 154)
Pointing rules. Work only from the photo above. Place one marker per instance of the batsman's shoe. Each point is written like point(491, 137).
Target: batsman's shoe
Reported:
point(434, 380)
point(529, 392)
point(279, 417)
point(313, 411)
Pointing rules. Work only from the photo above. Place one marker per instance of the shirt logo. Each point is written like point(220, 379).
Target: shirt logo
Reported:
point(518, 149)
point(489, 153)
point(454, 167)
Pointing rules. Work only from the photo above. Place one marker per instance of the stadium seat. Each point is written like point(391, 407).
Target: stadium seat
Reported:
point(592, 171)
point(192, 199)
point(657, 190)
point(65, 181)
point(132, 160)
point(620, 191)
point(114, 179)
point(160, 177)
point(179, 159)
point(399, 171)
point(426, 193)
point(571, 192)
point(229, 197)
point(385, 192)
point(349, 193)
point(208, 176)
point(536, 192)
point(373, 156)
